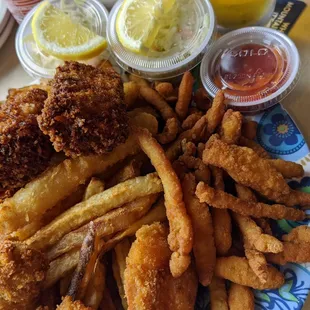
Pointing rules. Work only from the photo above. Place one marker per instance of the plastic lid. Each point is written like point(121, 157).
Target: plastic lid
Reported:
point(91, 13)
point(255, 66)
point(174, 63)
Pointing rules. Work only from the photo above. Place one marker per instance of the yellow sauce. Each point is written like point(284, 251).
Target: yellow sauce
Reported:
point(239, 13)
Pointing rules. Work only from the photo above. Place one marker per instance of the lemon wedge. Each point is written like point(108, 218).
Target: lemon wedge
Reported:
point(139, 22)
point(57, 35)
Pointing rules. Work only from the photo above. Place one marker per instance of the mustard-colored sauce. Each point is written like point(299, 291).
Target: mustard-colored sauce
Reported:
point(239, 13)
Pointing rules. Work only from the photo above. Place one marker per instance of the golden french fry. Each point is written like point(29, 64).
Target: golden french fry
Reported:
point(120, 254)
point(95, 186)
point(140, 81)
point(131, 93)
point(185, 95)
point(249, 129)
point(203, 247)
point(240, 297)
point(94, 207)
point(237, 270)
point(30, 229)
point(108, 224)
point(218, 294)
point(96, 287)
point(62, 266)
point(181, 234)
point(36, 197)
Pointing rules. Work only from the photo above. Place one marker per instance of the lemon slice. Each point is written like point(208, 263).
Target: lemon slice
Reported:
point(57, 35)
point(139, 21)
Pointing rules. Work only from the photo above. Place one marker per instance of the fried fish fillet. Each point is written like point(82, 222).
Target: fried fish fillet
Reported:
point(148, 281)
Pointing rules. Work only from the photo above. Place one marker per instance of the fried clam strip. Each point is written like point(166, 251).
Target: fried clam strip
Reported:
point(295, 198)
point(30, 229)
point(240, 297)
point(258, 263)
point(94, 207)
point(221, 218)
point(298, 234)
point(237, 270)
point(194, 134)
point(246, 168)
point(35, 198)
point(260, 151)
point(203, 247)
point(170, 131)
point(64, 264)
point(185, 95)
point(222, 200)
point(215, 114)
point(293, 252)
point(181, 234)
point(148, 281)
point(191, 120)
point(167, 91)
point(230, 130)
point(108, 224)
point(218, 294)
point(120, 254)
point(252, 234)
point(287, 168)
point(87, 258)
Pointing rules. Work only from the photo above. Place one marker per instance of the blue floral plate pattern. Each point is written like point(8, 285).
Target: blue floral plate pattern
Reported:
point(278, 134)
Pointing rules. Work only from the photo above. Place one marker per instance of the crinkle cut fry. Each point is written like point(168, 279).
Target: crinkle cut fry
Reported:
point(246, 168)
point(237, 270)
point(181, 234)
point(222, 200)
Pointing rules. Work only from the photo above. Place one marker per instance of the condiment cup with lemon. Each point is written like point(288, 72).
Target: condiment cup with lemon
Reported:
point(55, 31)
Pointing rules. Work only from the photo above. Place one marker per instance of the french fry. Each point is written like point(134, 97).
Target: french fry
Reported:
point(154, 99)
point(203, 246)
point(140, 81)
point(87, 258)
point(218, 294)
point(237, 270)
point(185, 95)
point(249, 129)
point(131, 93)
point(121, 251)
point(96, 287)
point(230, 130)
point(240, 297)
point(94, 187)
point(108, 224)
point(222, 200)
point(181, 235)
point(170, 131)
point(95, 207)
point(220, 217)
point(30, 229)
point(36, 197)
point(287, 168)
point(243, 141)
point(215, 114)
point(61, 266)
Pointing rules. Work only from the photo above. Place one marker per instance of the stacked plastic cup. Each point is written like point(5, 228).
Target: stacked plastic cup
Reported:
point(19, 8)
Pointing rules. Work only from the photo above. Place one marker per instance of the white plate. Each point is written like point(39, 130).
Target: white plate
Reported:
point(6, 32)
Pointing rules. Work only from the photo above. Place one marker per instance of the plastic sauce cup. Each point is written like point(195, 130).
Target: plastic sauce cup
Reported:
point(256, 67)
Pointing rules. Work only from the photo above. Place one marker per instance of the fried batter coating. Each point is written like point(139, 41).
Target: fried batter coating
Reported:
point(230, 130)
point(216, 112)
point(246, 168)
point(22, 271)
point(24, 150)
point(298, 234)
point(218, 294)
point(240, 297)
point(258, 263)
point(85, 113)
point(69, 304)
point(237, 270)
point(148, 281)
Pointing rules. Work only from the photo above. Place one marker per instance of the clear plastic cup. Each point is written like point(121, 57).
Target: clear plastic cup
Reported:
point(38, 64)
point(163, 66)
point(20, 8)
point(255, 66)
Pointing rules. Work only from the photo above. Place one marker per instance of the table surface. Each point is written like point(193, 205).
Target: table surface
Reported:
point(297, 104)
